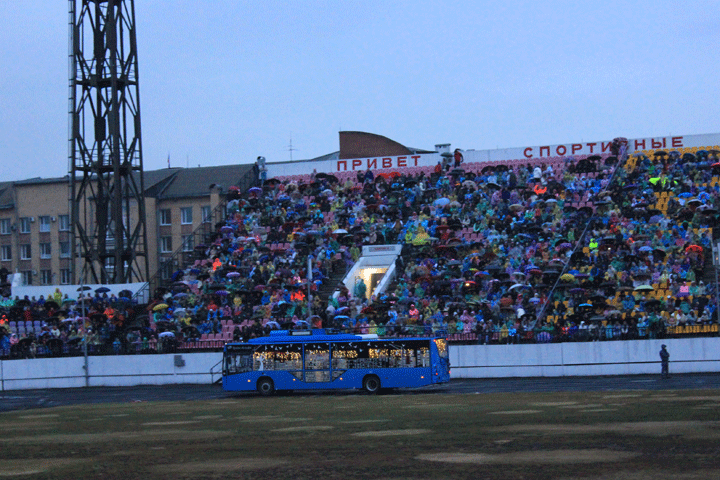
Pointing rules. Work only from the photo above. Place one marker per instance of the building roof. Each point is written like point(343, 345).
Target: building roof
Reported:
point(6, 195)
point(197, 182)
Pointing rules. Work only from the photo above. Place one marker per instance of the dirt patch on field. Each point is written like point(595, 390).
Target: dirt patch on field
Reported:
point(26, 425)
point(651, 475)
point(515, 412)
point(673, 398)
point(272, 418)
point(433, 405)
point(152, 436)
point(175, 422)
point(584, 405)
point(17, 468)
point(306, 428)
point(193, 469)
point(693, 429)
point(542, 457)
point(39, 416)
point(392, 433)
point(377, 420)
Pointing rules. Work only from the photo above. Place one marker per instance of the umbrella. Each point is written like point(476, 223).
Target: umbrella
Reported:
point(441, 202)
point(233, 274)
point(567, 277)
point(160, 306)
point(226, 229)
point(180, 295)
point(51, 304)
point(84, 288)
point(694, 248)
point(646, 249)
point(644, 288)
point(102, 290)
point(340, 230)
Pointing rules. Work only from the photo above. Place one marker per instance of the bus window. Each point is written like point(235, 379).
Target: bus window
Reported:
point(344, 356)
point(317, 362)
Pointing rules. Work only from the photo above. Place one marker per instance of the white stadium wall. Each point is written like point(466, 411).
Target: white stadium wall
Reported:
point(630, 357)
point(467, 361)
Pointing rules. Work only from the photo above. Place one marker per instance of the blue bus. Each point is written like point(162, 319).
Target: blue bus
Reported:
point(315, 359)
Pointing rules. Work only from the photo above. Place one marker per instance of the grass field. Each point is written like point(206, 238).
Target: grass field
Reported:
point(634, 435)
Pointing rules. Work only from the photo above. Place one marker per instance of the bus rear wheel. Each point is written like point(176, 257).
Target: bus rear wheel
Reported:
point(265, 386)
point(371, 384)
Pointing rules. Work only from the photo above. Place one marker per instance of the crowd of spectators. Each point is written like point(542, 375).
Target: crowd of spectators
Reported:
point(551, 249)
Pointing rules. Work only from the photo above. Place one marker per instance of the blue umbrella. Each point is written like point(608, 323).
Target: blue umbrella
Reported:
point(441, 202)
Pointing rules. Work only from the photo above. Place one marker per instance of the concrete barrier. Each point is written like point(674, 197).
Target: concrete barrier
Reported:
point(631, 357)
point(467, 361)
point(110, 371)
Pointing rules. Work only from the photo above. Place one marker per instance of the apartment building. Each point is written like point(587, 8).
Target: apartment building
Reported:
point(35, 228)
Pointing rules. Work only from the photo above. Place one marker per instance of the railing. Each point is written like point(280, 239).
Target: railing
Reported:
point(183, 256)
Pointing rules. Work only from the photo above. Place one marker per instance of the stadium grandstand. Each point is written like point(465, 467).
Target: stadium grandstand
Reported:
point(605, 241)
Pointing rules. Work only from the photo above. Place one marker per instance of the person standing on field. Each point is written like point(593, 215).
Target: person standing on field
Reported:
point(665, 362)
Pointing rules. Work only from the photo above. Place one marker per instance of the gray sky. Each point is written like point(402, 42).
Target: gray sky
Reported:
point(222, 82)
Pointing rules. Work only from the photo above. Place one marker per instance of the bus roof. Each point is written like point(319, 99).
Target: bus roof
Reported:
point(318, 335)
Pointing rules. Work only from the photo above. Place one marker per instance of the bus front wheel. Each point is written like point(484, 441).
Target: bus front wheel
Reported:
point(265, 386)
point(371, 384)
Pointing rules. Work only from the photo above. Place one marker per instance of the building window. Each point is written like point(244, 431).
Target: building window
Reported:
point(186, 215)
point(65, 276)
point(27, 277)
point(64, 249)
point(25, 252)
point(6, 253)
point(165, 216)
point(64, 223)
point(45, 250)
point(166, 244)
point(5, 226)
point(24, 224)
point(166, 269)
point(45, 223)
point(46, 277)
point(188, 243)
point(205, 211)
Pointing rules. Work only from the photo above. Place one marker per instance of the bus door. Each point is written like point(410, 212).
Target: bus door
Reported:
point(441, 363)
point(238, 359)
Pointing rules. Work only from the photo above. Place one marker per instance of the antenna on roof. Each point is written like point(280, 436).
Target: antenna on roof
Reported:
point(290, 147)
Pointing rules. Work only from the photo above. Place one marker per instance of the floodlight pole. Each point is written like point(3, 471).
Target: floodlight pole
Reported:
point(85, 336)
point(716, 263)
point(309, 282)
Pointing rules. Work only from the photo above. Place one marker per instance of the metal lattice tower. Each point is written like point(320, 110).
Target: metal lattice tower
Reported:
point(105, 154)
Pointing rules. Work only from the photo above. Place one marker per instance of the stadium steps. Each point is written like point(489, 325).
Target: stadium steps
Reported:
point(328, 287)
